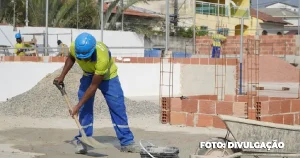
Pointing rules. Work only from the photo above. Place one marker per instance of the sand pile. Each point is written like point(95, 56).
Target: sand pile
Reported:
point(44, 100)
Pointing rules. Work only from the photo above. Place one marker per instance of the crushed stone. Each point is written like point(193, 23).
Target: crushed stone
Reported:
point(44, 100)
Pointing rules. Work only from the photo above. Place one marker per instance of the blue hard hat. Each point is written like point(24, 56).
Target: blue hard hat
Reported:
point(18, 35)
point(85, 45)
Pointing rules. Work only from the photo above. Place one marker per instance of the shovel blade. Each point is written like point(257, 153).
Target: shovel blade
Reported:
point(91, 142)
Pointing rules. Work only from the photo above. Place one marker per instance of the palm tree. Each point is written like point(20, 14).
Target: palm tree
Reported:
point(63, 13)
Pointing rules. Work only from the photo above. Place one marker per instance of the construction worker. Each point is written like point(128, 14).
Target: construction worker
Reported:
point(63, 48)
point(99, 72)
point(218, 39)
point(20, 51)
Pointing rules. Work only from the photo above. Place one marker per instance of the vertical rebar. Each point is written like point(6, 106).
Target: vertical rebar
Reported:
point(241, 56)
point(46, 38)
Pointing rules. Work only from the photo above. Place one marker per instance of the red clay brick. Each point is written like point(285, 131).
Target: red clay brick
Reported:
point(264, 108)
point(231, 61)
point(177, 118)
point(295, 105)
point(266, 118)
point(229, 97)
point(203, 97)
point(252, 114)
point(195, 61)
point(186, 61)
point(190, 105)
point(296, 119)
point(156, 60)
point(190, 120)
point(213, 97)
point(274, 107)
point(285, 106)
point(207, 107)
point(225, 108)
point(275, 98)
point(242, 98)
point(218, 123)
point(148, 60)
point(141, 60)
point(239, 109)
point(205, 120)
point(288, 119)
point(278, 119)
point(260, 98)
point(204, 61)
point(176, 104)
point(134, 60)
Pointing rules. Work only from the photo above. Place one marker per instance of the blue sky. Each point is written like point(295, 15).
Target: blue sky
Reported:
point(262, 3)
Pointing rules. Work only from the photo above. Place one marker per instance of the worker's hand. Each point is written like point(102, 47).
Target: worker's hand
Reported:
point(74, 111)
point(59, 79)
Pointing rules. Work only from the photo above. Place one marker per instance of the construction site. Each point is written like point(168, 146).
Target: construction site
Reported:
point(176, 94)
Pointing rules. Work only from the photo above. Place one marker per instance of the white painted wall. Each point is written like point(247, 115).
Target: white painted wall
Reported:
point(18, 77)
point(110, 38)
point(136, 79)
point(271, 28)
point(293, 21)
point(200, 80)
point(281, 5)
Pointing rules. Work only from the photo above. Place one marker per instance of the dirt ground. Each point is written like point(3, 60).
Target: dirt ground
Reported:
point(51, 138)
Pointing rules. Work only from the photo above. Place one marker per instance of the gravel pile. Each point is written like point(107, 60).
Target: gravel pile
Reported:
point(45, 101)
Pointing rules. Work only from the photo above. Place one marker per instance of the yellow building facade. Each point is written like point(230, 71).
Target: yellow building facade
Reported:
point(213, 14)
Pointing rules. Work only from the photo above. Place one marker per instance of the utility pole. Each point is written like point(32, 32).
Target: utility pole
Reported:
point(26, 20)
point(46, 38)
point(122, 5)
point(102, 19)
point(77, 13)
point(14, 19)
point(167, 26)
point(298, 16)
point(256, 17)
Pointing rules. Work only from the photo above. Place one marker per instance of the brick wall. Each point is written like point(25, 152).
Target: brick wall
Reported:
point(270, 44)
point(148, 60)
point(202, 110)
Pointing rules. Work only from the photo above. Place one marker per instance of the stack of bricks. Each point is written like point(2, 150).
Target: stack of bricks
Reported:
point(202, 110)
point(271, 44)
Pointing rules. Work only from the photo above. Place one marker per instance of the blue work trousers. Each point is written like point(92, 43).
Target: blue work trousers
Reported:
point(216, 51)
point(113, 94)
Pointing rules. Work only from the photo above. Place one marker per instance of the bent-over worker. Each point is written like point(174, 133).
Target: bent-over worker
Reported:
point(100, 72)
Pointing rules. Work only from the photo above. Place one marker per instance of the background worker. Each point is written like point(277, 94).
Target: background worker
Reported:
point(20, 46)
point(218, 40)
point(100, 72)
point(63, 49)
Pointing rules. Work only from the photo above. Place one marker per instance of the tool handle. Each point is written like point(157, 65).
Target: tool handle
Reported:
point(70, 108)
point(60, 87)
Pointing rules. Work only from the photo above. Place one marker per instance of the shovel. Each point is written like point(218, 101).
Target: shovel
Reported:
point(90, 141)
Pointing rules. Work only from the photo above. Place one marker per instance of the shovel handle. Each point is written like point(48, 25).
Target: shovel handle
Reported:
point(61, 88)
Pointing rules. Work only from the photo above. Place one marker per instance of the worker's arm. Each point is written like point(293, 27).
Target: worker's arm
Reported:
point(97, 79)
point(68, 65)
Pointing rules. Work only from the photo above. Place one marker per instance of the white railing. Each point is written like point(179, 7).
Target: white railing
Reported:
point(208, 8)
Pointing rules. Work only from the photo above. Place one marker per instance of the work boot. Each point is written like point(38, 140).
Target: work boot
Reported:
point(81, 148)
point(132, 148)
